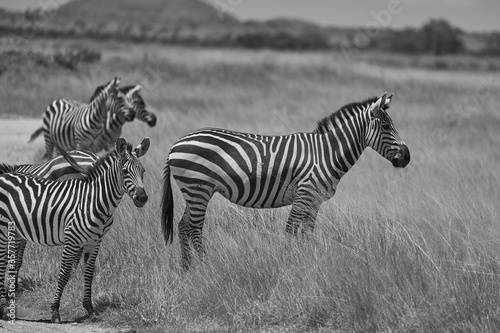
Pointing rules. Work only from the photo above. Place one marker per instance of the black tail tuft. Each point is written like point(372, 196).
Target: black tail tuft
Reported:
point(167, 206)
point(36, 134)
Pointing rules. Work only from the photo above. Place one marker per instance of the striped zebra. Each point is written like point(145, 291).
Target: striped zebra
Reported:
point(114, 122)
point(75, 213)
point(58, 169)
point(260, 171)
point(74, 125)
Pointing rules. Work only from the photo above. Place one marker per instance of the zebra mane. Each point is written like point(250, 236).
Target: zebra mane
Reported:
point(329, 122)
point(5, 168)
point(93, 171)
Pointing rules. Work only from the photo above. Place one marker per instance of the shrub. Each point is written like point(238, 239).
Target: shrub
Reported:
point(71, 58)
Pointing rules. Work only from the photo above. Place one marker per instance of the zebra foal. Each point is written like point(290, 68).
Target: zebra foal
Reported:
point(75, 213)
point(260, 171)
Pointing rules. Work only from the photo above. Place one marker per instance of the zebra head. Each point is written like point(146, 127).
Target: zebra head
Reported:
point(118, 105)
point(382, 134)
point(136, 102)
point(133, 171)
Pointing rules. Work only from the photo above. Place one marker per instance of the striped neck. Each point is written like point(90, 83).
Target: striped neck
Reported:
point(345, 134)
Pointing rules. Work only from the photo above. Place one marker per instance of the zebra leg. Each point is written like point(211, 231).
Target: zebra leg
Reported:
point(20, 247)
point(190, 229)
point(71, 254)
point(305, 208)
point(88, 276)
point(196, 221)
point(183, 228)
point(3, 268)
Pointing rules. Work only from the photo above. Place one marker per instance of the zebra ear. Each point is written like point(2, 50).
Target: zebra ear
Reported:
point(116, 81)
point(378, 106)
point(121, 146)
point(142, 149)
point(136, 89)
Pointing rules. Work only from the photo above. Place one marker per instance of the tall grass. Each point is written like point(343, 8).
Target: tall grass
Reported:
point(412, 250)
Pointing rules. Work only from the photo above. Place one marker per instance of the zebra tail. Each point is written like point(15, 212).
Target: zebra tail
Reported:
point(36, 134)
point(167, 206)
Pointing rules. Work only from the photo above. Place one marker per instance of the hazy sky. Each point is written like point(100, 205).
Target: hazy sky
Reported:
point(476, 15)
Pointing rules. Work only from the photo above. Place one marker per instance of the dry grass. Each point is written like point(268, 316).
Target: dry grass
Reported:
point(412, 250)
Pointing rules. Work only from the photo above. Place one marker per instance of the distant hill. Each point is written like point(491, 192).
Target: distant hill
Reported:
point(144, 12)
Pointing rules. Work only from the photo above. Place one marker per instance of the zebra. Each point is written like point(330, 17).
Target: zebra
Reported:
point(260, 171)
point(73, 125)
point(58, 169)
point(83, 208)
point(114, 123)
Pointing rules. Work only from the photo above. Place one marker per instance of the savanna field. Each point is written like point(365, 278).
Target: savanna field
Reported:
point(411, 250)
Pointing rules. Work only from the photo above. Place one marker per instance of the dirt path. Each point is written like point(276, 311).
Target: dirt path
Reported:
point(14, 148)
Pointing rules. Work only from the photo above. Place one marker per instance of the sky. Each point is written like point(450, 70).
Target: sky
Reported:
point(470, 15)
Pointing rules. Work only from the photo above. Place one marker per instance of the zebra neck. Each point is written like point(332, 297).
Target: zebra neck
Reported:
point(344, 146)
point(98, 107)
point(107, 182)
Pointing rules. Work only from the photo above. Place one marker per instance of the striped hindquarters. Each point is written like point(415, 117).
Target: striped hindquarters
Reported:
point(250, 170)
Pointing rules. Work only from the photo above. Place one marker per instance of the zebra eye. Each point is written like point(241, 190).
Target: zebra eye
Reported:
point(386, 127)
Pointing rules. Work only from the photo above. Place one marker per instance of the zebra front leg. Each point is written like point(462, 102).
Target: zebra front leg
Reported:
point(305, 209)
point(88, 276)
point(71, 254)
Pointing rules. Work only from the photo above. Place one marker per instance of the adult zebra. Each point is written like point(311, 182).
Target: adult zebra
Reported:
point(75, 213)
point(114, 122)
point(58, 169)
point(260, 171)
point(73, 125)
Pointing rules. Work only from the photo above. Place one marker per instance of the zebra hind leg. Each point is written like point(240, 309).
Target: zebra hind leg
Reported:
point(70, 255)
point(190, 231)
point(183, 228)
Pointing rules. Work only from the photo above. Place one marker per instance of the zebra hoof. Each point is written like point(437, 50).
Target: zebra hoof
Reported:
point(56, 319)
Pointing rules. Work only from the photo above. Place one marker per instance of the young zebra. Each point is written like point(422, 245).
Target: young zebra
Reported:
point(260, 171)
point(84, 209)
point(58, 169)
point(114, 122)
point(73, 125)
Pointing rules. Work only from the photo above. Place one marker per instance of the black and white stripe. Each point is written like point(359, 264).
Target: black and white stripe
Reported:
point(74, 213)
point(74, 125)
point(259, 171)
point(115, 121)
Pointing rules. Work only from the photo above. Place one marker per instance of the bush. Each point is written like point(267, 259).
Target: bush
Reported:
point(71, 58)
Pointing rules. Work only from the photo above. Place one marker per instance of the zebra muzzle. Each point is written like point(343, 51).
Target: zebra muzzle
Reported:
point(140, 198)
point(402, 157)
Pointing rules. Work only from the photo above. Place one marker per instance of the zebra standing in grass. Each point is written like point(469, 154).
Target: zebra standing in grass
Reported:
point(73, 125)
point(75, 213)
point(259, 171)
point(114, 122)
point(57, 168)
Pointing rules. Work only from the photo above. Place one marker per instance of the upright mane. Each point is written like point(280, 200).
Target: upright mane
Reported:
point(5, 168)
point(329, 122)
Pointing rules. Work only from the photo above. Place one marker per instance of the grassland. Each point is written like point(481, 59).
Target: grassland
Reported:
point(413, 250)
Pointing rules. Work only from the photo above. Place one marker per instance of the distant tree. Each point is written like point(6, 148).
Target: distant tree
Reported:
point(492, 46)
point(441, 38)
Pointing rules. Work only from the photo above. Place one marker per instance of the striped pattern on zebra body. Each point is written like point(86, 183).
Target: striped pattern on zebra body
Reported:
point(260, 171)
point(75, 213)
point(75, 125)
point(58, 169)
point(114, 122)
